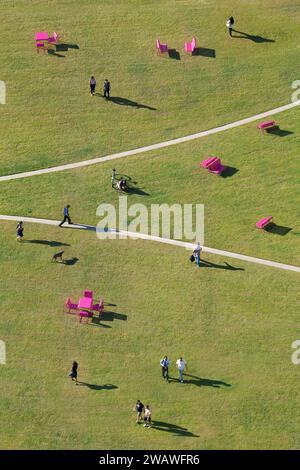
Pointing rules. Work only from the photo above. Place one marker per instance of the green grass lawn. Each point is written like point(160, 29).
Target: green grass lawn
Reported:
point(234, 327)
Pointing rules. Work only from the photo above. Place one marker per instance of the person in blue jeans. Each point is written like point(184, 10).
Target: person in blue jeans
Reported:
point(66, 215)
point(181, 366)
point(164, 363)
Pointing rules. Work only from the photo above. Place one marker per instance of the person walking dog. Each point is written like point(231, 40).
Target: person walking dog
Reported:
point(92, 85)
point(106, 89)
point(229, 24)
point(165, 362)
point(66, 216)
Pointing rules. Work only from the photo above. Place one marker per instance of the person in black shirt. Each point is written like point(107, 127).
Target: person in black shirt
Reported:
point(106, 88)
point(139, 409)
point(73, 373)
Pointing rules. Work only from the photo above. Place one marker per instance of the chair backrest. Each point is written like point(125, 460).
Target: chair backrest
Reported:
point(68, 302)
point(193, 43)
point(157, 44)
point(215, 165)
point(101, 303)
point(55, 35)
point(88, 293)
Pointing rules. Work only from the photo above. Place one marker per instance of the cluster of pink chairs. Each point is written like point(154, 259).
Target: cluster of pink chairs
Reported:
point(85, 307)
point(43, 40)
point(213, 165)
point(188, 46)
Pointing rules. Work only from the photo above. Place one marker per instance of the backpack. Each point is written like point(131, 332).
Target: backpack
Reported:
point(192, 258)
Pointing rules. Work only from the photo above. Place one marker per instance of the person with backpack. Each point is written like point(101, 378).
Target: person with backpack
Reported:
point(229, 24)
point(106, 89)
point(139, 409)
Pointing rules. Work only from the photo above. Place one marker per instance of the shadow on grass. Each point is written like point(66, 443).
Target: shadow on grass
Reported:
point(277, 229)
point(96, 321)
point(111, 316)
point(97, 387)
point(63, 47)
point(173, 54)
point(47, 242)
point(172, 428)
point(126, 102)
point(228, 172)
point(251, 37)
point(52, 52)
point(208, 264)
point(204, 52)
point(279, 132)
point(201, 382)
point(70, 261)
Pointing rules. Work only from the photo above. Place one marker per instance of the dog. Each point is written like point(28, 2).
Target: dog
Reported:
point(57, 256)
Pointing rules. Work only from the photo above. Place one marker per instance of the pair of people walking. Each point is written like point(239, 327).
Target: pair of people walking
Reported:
point(180, 364)
point(140, 408)
point(106, 87)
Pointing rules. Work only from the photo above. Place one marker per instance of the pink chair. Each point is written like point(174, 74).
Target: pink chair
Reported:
point(161, 48)
point(54, 38)
point(262, 223)
point(40, 46)
point(264, 126)
point(190, 46)
point(213, 165)
point(88, 294)
point(70, 306)
point(82, 314)
point(99, 307)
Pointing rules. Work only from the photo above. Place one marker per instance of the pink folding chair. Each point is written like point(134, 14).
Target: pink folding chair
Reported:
point(161, 48)
point(54, 38)
point(70, 306)
point(190, 46)
point(88, 294)
point(40, 46)
point(82, 314)
point(99, 307)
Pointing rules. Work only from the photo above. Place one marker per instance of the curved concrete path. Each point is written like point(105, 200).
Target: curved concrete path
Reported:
point(143, 236)
point(148, 148)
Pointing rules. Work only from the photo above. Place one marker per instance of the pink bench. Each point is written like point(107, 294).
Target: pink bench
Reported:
point(266, 125)
point(262, 223)
point(82, 314)
point(190, 46)
point(213, 164)
point(161, 48)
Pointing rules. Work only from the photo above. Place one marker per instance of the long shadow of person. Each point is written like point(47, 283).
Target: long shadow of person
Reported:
point(201, 382)
point(207, 264)
point(172, 428)
point(127, 102)
point(251, 37)
point(98, 387)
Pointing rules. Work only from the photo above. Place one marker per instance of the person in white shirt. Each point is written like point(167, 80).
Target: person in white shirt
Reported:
point(181, 366)
point(229, 24)
point(147, 417)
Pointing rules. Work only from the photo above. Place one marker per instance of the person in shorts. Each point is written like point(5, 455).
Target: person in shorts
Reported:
point(147, 417)
point(139, 407)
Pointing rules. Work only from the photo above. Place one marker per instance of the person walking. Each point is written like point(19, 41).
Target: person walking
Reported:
point(106, 89)
point(73, 373)
point(181, 366)
point(165, 362)
point(66, 216)
point(147, 417)
point(92, 85)
point(229, 24)
point(196, 254)
point(139, 407)
point(113, 177)
point(20, 230)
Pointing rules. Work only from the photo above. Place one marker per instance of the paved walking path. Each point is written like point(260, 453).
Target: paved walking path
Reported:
point(148, 148)
point(143, 236)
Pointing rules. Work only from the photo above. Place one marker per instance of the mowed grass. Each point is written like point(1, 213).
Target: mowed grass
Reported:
point(50, 118)
point(264, 181)
point(235, 329)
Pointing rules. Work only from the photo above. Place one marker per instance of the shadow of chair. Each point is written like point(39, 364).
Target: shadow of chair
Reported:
point(279, 132)
point(108, 315)
point(229, 171)
point(173, 54)
point(204, 52)
point(277, 229)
